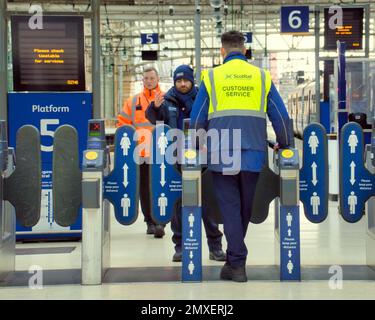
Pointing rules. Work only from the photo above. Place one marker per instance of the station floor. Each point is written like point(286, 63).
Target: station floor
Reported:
point(333, 242)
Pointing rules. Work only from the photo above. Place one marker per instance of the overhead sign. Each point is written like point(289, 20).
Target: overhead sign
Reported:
point(48, 59)
point(351, 31)
point(121, 186)
point(149, 38)
point(166, 183)
point(357, 184)
point(295, 19)
point(248, 37)
point(314, 173)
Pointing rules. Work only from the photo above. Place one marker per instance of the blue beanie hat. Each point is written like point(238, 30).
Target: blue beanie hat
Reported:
point(183, 72)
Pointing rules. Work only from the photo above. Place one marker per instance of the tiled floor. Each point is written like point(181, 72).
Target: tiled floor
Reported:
point(331, 242)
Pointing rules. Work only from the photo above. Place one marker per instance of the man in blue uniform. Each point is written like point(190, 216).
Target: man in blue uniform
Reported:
point(172, 108)
point(238, 96)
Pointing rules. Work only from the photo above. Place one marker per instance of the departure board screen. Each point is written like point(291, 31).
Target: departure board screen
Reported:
point(48, 59)
point(351, 31)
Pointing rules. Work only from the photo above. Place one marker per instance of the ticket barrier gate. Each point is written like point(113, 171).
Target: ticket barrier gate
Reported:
point(72, 189)
point(20, 189)
point(357, 182)
point(288, 184)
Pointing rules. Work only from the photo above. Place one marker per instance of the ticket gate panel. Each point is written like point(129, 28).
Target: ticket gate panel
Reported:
point(356, 182)
point(23, 187)
point(121, 186)
point(165, 179)
point(67, 176)
point(268, 188)
point(313, 185)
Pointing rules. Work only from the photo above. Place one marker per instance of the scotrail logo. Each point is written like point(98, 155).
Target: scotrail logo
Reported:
point(238, 76)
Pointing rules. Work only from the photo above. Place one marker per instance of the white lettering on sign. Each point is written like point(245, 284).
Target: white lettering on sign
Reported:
point(50, 108)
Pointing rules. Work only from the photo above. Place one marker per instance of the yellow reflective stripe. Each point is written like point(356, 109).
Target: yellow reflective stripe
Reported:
point(213, 90)
point(237, 112)
point(263, 89)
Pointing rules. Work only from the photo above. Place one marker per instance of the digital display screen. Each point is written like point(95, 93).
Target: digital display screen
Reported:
point(48, 59)
point(351, 31)
point(94, 129)
point(150, 55)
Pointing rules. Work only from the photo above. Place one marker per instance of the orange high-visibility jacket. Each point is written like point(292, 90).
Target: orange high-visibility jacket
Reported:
point(134, 113)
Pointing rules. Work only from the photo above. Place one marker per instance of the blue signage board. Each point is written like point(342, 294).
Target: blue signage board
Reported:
point(149, 38)
point(290, 260)
point(357, 184)
point(121, 186)
point(191, 244)
point(48, 111)
point(314, 173)
point(294, 19)
point(248, 37)
point(166, 183)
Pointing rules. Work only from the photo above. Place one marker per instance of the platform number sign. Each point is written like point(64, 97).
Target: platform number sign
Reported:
point(295, 19)
point(149, 38)
point(248, 37)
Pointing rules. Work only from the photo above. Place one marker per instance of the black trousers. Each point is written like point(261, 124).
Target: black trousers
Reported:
point(235, 195)
point(213, 233)
point(145, 192)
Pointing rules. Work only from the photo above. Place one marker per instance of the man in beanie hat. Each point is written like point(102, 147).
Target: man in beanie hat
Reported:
point(172, 108)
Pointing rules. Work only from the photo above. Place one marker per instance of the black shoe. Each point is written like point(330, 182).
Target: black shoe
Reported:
point(150, 228)
point(177, 257)
point(218, 255)
point(237, 274)
point(159, 231)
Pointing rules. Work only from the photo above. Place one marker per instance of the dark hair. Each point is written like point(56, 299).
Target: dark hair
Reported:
point(232, 41)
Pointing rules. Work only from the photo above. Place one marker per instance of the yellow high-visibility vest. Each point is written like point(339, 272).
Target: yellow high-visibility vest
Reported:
point(237, 88)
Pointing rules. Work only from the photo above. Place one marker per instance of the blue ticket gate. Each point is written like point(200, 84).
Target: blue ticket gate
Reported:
point(288, 184)
point(357, 182)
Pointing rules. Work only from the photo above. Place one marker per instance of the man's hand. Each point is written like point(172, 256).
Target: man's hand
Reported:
point(276, 147)
point(159, 100)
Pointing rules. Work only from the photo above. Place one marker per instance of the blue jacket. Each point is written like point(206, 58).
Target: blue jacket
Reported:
point(251, 159)
point(173, 111)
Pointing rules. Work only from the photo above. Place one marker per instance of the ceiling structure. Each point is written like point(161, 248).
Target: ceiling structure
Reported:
point(124, 20)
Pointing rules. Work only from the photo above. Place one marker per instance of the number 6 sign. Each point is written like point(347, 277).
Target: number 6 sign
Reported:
point(295, 19)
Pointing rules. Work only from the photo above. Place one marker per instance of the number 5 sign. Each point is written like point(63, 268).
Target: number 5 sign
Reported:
point(295, 19)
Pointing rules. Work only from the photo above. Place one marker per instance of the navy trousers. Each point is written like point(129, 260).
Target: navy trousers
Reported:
point(235, 195)
point(214, 235)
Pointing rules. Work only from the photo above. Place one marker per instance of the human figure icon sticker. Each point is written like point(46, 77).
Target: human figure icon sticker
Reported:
point(125, 144)
point(191, 267)
point(163, 203)
point(125, 204)
point(162, 143)
point(191, 220)
point(352, 202)
point(289, 219)
point(315, 203)
point(353, 141)
point(313, 142)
